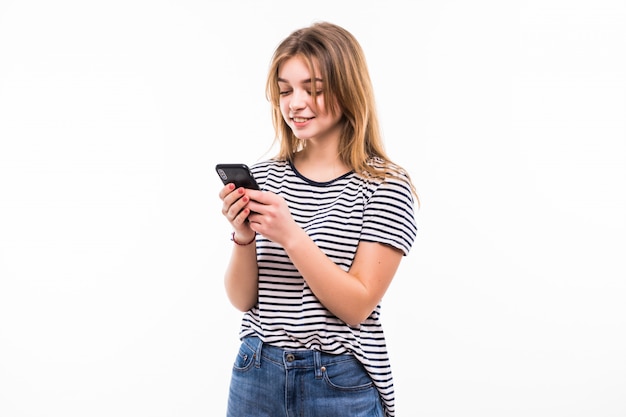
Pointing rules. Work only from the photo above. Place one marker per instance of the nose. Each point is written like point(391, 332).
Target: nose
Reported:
point(297, 101)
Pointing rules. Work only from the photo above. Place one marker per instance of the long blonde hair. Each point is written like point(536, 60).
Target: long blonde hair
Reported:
point(346, 86)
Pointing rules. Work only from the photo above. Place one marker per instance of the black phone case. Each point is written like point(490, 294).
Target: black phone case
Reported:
point(239, 174)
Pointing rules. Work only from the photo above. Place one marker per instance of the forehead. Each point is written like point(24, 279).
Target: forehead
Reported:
point(296, 69)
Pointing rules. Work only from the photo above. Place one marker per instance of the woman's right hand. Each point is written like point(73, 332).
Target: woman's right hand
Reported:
point(235, 209)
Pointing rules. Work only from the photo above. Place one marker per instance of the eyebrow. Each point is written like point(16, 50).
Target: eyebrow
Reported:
point(282, 80)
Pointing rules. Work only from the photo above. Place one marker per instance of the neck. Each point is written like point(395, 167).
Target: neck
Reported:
point(320, 163)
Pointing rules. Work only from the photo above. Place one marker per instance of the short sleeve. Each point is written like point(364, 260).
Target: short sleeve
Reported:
point(389, 215)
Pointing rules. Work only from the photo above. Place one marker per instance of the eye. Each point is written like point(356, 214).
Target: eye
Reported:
point(284, 92)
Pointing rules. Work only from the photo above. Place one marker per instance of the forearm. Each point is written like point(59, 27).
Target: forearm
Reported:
point(241, 277)
point(339, 291)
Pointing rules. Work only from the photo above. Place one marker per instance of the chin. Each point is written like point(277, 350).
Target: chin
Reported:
point(300, 135)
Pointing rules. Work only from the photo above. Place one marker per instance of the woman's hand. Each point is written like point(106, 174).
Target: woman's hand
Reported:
point(235, 209)
point(270, 216)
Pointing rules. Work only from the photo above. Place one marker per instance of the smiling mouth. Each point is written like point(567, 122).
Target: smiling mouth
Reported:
point(301, 119)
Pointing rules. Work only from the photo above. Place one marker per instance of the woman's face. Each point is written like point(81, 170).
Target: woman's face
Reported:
point(308, 119)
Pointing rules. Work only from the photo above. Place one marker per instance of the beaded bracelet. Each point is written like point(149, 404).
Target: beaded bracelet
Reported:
point(232, 237)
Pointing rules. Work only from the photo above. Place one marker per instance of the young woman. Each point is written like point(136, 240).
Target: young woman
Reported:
point(315, 250)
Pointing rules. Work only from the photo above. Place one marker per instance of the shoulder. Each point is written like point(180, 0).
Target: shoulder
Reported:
point(386, 175)
point(268, 165)
point(385, 168)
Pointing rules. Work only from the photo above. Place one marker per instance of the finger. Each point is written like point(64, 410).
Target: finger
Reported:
point(254, 221)
point(256, 207)
point(241, 217)
point(232, 198)
point(235, 209)
point(257, 195)
point(228, 200)
point(227, 189)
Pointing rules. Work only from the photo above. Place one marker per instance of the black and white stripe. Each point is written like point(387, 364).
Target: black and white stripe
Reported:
point(336, 215)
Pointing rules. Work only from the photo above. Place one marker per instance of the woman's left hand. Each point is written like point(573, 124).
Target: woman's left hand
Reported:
point(270, 216)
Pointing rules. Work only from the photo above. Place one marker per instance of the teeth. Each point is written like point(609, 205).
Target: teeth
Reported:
point(300, 119)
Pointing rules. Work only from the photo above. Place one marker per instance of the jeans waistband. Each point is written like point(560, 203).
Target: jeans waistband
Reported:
point(293, 358)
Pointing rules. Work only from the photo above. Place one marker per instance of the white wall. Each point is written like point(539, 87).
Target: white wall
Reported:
point(510, 116)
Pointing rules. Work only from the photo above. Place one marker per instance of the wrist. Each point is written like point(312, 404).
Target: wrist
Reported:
point(295, 240)
point(242, 241)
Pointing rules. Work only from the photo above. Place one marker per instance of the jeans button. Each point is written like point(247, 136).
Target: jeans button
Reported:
point(290, 357)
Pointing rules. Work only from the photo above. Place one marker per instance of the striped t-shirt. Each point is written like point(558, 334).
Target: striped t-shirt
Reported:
point(336, 215)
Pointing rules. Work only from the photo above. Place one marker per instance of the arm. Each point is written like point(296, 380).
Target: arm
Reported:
point(352, 295)
point(241, 277)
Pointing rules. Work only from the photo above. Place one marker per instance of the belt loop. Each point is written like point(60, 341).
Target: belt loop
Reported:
point(257, 354)
point(317, 362)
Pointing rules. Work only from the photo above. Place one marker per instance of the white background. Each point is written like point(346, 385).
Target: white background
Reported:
point(510, 116)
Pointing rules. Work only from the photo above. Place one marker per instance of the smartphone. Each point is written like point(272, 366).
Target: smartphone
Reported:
point(239, 174)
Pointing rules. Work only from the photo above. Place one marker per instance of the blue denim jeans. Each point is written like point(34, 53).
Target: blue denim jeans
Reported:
point(271, 382)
